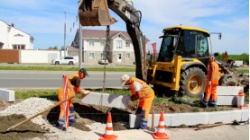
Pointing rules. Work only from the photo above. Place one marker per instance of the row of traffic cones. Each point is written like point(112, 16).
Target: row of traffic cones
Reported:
point(160, 134)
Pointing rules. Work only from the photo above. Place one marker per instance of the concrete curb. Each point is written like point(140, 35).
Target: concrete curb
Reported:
point(7, 95)
point(191, 119)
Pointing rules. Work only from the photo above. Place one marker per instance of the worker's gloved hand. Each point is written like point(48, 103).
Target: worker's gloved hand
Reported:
point(209, 83)
point(130, 105)
point(85, 93)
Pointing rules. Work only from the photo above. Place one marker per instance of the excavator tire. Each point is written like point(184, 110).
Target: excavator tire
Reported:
point(193, 82)
point(228, 80)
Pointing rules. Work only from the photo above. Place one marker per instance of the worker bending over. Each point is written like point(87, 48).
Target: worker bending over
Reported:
point(212, 80)
point(140, 90)
point(72, 87)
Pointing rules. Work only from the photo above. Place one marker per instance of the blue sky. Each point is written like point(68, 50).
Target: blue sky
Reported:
point(44, 20)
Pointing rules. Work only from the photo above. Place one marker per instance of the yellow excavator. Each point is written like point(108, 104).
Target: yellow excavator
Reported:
point(183, 57)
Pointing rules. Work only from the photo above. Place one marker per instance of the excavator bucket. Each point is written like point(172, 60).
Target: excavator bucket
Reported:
point(94, 13)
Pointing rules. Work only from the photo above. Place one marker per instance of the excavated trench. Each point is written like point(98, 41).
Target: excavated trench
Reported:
point(85, 116)
point(88, 114)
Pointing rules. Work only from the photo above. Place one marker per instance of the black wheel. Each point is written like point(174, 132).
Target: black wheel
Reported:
point(193, 82)
point(228, 80)
point(71, 63)
point(57, 63)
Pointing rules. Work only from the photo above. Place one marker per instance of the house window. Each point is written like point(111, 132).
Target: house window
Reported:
point(18, 47)
point(91, 43)
point(1, 45)
point(127, 44)
point(18, 35)
point(119, 44)
point(101, 55)
point(102, 43)
point(128, 55)
point(91, 55)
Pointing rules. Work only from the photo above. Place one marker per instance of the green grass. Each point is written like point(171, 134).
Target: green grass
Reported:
point(169, 101)
point(24, 94)
point(58, 68)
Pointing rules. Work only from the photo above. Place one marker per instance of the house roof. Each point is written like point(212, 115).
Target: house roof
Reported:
point(12, 25)
point(87, 33)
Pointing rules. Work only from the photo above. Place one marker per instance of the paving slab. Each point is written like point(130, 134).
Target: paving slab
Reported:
point(108, 100)
point(229, 90)
point(226, 100)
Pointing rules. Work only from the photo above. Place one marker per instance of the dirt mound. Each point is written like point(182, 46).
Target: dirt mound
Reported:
point(28, 130)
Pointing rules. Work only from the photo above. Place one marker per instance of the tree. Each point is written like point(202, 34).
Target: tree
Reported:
point(55, 48)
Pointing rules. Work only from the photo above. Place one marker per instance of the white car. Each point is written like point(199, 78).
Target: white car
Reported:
point(70, 60)
point(104, 62)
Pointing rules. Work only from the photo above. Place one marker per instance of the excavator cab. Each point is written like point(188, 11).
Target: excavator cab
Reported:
point(94, 13)
point(182, 60)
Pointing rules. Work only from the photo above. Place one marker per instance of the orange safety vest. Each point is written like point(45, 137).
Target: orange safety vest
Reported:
point(145, 91)
point(214, 69)
point(70, 86)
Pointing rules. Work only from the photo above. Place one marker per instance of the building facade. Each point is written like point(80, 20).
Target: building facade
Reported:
point(12, 38)
point(120, 50)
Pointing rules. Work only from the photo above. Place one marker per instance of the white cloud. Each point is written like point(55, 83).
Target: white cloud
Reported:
point(227, 16)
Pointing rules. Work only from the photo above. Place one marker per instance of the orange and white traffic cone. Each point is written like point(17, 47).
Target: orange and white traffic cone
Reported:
point(109, 130)
point(160, 134)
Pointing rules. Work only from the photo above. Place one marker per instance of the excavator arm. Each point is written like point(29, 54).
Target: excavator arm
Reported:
point(96, 13)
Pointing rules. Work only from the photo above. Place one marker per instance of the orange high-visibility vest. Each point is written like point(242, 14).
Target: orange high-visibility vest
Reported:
point(215, 73)
point(145, 91)
point(70, 86)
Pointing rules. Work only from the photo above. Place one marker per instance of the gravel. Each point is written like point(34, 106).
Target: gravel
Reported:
point(28, 108)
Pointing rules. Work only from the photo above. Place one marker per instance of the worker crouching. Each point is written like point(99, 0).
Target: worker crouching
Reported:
point(142, 92)
point(212, 81)
point(71, 87)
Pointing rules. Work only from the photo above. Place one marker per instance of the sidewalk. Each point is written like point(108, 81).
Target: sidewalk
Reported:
point(225, 132)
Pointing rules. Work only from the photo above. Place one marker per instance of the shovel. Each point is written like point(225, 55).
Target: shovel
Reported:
point(24, 121)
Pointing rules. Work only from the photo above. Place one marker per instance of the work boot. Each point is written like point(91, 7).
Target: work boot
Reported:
point(204, 103)
point(212, 103)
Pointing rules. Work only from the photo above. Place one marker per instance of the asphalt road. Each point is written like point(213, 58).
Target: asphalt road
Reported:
point(53, 79)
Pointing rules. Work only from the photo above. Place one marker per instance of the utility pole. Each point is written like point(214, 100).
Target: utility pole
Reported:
point(65, 34)
point(80, 45)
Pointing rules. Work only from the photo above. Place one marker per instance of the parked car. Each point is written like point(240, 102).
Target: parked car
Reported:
point(104, 62)
point(70, 60)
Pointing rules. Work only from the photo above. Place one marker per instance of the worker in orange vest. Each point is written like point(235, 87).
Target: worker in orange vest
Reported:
point(72, 87)
point(142, 92)
point(212, 81)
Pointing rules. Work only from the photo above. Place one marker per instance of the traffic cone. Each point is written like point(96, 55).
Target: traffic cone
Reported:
point(160, 134)
point(109, 130)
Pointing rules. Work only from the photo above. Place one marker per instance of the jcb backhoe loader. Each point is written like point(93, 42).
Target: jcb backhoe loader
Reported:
point(182, 60)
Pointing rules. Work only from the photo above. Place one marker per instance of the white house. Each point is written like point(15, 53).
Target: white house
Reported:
point(121, 49)
point(12, 38)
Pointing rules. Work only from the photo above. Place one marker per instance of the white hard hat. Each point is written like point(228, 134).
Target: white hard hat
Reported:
point(124, 79)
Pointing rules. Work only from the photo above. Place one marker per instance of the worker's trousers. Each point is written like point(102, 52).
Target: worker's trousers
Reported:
point(144, 109)
point(61, 119)
point(210, 95)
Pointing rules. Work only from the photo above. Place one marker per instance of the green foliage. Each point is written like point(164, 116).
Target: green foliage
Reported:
point(55, 48)
point(243, 57)
point(195, 109)
point(184, 100)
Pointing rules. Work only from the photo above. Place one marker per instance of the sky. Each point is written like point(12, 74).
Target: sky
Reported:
point(45, 19)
